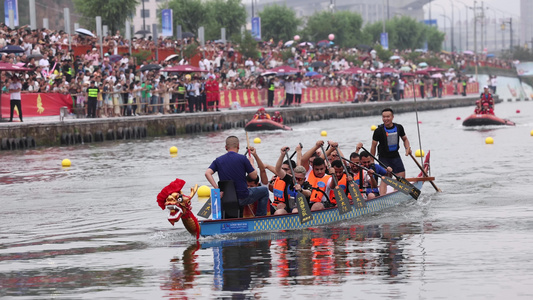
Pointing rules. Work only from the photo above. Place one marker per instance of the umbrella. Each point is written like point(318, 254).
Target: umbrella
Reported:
point(284, 70)
point(288, 43)
point(386, 70)
point(317, 76)
point(394, 57)
point(355, 70)
point(268, 73)
point(490, 55)
point(84, 31)
point(408, 74)
point(183, 68)
point(422, 72)
point(12, 68)
point(436, 75)
point(322, 43)
point(422, 65)
point(143, 32)
point(434, 69)
point(11, 49)
point(187, 35)
point(150, 67)
point(312, 73)
point(468, 52)
point(36, 56)
point(114, 58)
point(171, 57)
point(318, 64)
point(405, 69)
point(306, 44)
point(420, 50)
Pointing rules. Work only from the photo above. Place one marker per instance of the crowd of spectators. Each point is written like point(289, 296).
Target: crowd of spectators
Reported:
point(126, 88)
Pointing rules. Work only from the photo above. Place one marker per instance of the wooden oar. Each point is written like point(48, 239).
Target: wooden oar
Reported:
point(292, 155)
point(404, 188)
point(425, 174)
point(357, 198)
point(340, 196)
point(303, 207)
point(248, 144)
point(399, 178)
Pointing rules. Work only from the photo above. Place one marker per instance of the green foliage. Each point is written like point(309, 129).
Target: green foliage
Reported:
point(141, 56)
point(212, 14)
point(190, 51)
point(383, 54)
point(113, 12)
point(522, 54)
point(406, 33)
point(345, 25)
point(278, 22)
point(247, 45)
point(286, 54)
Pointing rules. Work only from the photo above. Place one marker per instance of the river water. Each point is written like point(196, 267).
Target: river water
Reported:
point(94, 230)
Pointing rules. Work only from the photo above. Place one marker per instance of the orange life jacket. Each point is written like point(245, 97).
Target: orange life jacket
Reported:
point(320, 183)
point(343, 186)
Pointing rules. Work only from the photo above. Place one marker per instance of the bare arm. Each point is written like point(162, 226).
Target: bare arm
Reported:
point(281, 173)
point(407, 145)
point(299, 155)
point(262, 172)
point(373, 148)
point(309, 153)
point(209, 175)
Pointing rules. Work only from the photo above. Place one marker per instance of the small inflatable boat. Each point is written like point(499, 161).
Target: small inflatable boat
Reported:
point(485, 119)
point(264, 124)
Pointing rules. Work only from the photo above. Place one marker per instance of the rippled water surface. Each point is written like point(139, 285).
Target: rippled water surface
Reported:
point(94, 230)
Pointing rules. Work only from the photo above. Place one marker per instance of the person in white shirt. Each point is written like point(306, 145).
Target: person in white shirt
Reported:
point(298, 86)
point(14, 89)
point(289, 91)
point(44, 63)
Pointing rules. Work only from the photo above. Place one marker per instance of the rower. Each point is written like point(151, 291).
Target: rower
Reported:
point(261, 114)
point(284, 189)
point(277, 117)
point(369, 181)
point(320, 182)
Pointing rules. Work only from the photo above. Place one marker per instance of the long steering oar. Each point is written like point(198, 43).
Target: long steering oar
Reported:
point(303, 207)
point(357, 198)
point(399, 178)
point(404, 188)
point(340, 196)
point(248, 144)
point(425, 173)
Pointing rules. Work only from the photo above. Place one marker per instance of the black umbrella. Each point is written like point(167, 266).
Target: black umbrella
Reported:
point(187, 35)
point(143, 32)
point(150, 67)
point(12, 49)
point(36, 56)
point(318, 64)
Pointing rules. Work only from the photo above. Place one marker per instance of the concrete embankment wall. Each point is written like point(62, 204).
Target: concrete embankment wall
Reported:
point(77, 131)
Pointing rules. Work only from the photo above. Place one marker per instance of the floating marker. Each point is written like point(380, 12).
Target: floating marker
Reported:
point(173, 150)
point(204, 191)
point(65, 163)
point(489, 140)
point(373, 127)
point(458, 118)
point(323, 133)
point(531, 133)
point(257, 140)
point(419, 153)
point(517, 111)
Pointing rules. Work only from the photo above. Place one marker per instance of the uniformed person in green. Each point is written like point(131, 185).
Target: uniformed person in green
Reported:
point(92, 95)
point(271, 88)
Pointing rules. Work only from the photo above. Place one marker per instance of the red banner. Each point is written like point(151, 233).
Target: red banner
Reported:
point(35, 105)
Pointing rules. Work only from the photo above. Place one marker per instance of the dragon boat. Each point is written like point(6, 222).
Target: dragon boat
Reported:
point(265, 124)
point(484, 120)
point(180, 208)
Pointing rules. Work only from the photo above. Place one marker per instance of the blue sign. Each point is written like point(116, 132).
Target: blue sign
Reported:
point(166, 21)
point(11, 5)
point(385, 40)
point(216, 204)
point(256, 28)
point(431, 22)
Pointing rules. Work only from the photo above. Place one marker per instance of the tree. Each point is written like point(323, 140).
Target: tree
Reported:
point(190, 14)
point(229, 14)
point(406, 33)
point(246, 45)
point(113, 12)
point(345, 25)
point(278, 22)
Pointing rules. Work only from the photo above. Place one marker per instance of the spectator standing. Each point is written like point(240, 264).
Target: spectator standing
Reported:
point(92, 96)
point(15, 87)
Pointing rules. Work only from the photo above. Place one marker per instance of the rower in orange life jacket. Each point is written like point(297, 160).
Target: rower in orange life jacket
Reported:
point(277, 117)
point(341, 178)
point(320, 182)
point(261, 114)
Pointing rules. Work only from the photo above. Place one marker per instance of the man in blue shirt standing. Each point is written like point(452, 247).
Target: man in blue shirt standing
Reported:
point(235, 166)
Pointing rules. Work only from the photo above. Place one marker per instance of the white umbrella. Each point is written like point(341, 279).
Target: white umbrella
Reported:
point(394, 57)
point(468, 52)
point(422, 65)
point(85, 32)
point(289, 43)
point(437, 75)
point(171, 57)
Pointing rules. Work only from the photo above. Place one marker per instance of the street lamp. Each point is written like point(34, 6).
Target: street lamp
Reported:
point(453, 45)
point(446, 17)
point(510, 22)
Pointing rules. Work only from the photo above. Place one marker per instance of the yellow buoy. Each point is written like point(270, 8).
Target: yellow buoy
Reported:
point(65, 163)
point(257, 140)
point(204, 191)
point(373, 127)
point(489, 140)
point(531, 133)
point(324, 133)
point(420, 153)
point(173, 150)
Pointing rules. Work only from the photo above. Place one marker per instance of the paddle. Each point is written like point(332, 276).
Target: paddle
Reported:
point(292, 155)
point(425, 174)
point(404, 188)
point(303, 207)
point(357, 198)
point(415, 190)
point(340, 196)
point(248, 144)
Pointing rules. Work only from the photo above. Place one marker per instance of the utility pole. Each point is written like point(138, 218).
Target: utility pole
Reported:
point(453, 24)
point(466, 25)
point(475, 39)
point(482, 19)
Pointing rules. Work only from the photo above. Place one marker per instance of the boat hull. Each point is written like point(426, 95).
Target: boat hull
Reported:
point(292, 221)
point(257, 125)
point(485, 120)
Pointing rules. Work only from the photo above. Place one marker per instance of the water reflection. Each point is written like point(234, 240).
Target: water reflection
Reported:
point(317, 256)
